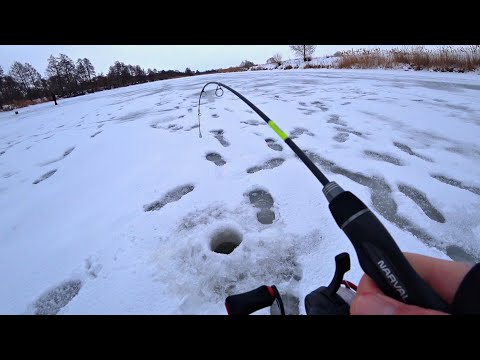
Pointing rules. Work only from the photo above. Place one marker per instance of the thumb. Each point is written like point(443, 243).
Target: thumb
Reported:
point(378, 304)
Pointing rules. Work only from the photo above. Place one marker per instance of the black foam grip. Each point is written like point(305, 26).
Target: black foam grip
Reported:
point(344, 206)
point(249, 302)
point(380, 257)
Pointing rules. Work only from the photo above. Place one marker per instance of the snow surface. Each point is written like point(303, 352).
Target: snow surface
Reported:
point(109, 202)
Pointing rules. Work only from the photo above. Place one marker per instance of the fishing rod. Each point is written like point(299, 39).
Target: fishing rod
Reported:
point(378, 254)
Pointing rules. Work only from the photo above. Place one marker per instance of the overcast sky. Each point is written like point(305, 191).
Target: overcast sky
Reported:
point(160, 57)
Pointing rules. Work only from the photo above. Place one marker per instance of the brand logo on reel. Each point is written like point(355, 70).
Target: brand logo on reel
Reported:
point(393, 280)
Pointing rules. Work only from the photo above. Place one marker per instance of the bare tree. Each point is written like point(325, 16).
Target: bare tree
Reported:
point(63, 76)
point(275, 59)
point(67, 68)
point(139, 74)
point(118, 74)
point(89, 69)
point(101, 81)
point(28, 79)
point(26, 76)
point(10, 90)
point(84, 72)
point(246, 64)
point(54, 74)
point(305, 51)
point(17, 72)
point(67, 78)
point(80, 71)
point(33, 76)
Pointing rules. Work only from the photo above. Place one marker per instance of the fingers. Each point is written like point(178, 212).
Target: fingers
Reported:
point(375, 303)
point(444, 276)
point(367, 285)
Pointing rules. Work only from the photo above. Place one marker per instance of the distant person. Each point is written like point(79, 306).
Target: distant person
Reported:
point(54, 98)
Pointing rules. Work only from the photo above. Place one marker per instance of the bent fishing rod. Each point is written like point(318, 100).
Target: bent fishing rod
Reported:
point(377, 252)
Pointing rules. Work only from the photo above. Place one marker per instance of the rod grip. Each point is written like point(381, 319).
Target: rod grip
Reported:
point(379, 255)
point(251, 301)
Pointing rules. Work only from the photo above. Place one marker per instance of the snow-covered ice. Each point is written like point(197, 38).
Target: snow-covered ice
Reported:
point(112, 204)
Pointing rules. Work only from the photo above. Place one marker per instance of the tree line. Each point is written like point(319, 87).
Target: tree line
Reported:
point(66, 78)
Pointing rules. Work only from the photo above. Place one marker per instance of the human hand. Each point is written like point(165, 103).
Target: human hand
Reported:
point(443, 276)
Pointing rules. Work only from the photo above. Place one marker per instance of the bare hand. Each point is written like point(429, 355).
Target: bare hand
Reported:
point(443, 276)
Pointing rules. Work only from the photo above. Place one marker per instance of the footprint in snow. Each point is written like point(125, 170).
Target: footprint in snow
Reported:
point(9, 174)
point(381, 197)
point(253, 122)
point(169, 197)
point(272, 144)
point(263, 201)
point(456, 183)
point(219, 136)
point(216, 158)
point(350, 131)
point(296, 132)
point(458, 254)
point(307, 111)
point(320, 105)
point(173, 127)
point(44, 176)
point(422, 201)
point(270, 164)
point(408, 150)
point(191, 127)
point(65, 154)
point(341, 137)
point(335, 119)
point(92, 267)
point(384, 157)
point(55, 299)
